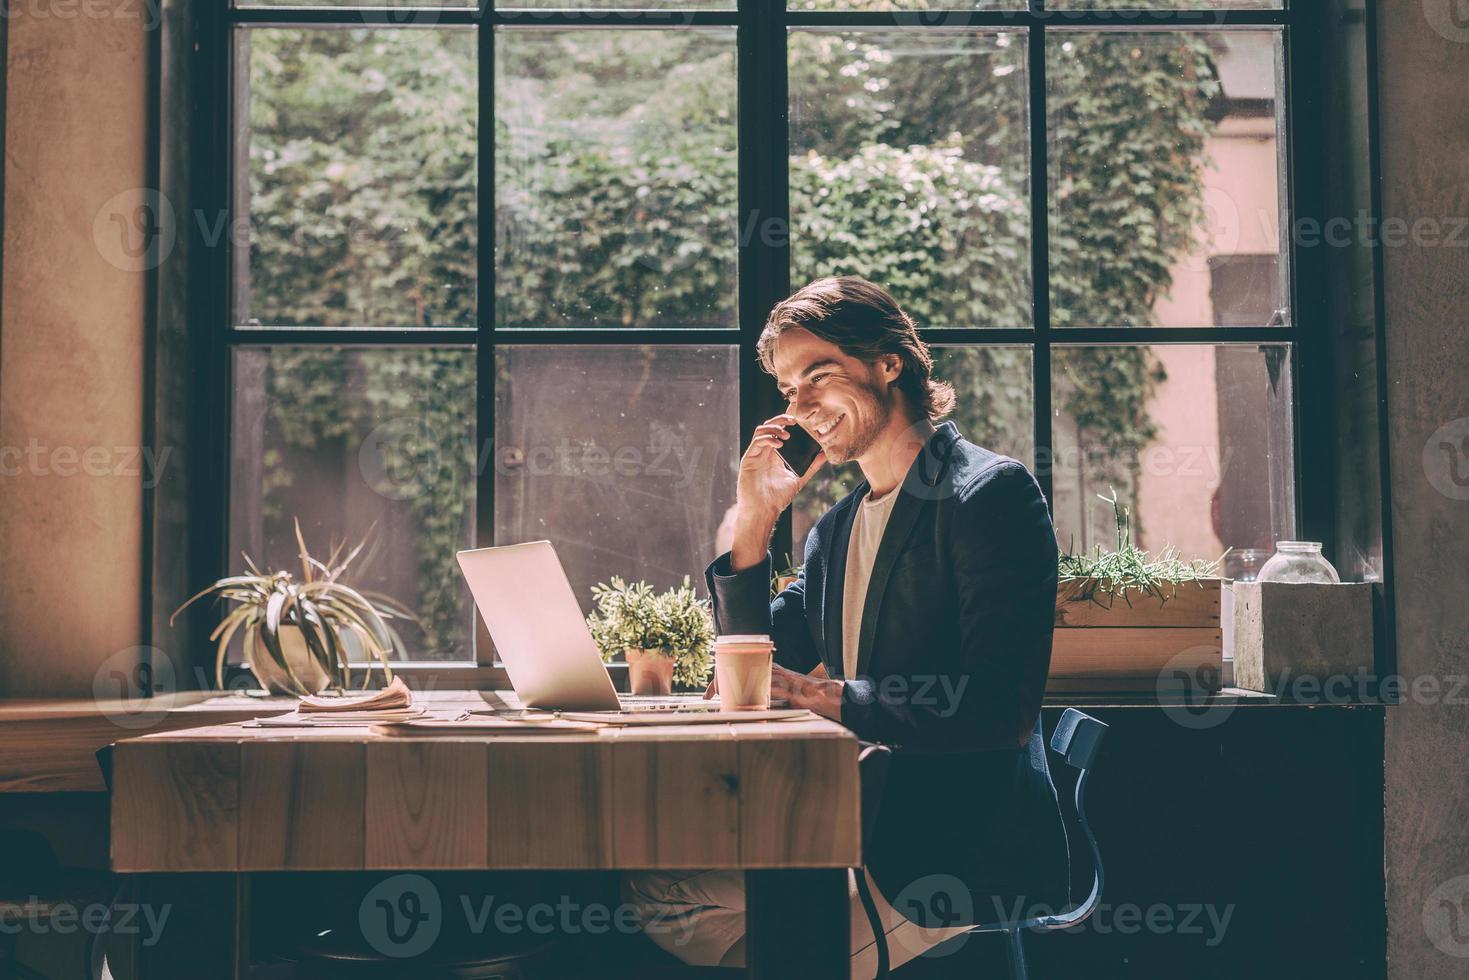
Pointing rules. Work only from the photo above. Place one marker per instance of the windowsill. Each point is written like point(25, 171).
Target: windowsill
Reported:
point(1229, 697)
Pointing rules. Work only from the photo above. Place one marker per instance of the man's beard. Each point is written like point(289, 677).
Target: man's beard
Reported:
point(862, 439)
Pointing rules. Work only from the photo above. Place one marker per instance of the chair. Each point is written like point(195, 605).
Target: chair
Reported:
point(1077, 739)
point(872, 769)
point(35, 886)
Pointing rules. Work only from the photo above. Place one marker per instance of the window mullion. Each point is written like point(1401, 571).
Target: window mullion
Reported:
point(764, 206)
point(484, 384)
point(1040, 235)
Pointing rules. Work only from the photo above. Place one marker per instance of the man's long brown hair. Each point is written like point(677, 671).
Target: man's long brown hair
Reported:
point(866, 322)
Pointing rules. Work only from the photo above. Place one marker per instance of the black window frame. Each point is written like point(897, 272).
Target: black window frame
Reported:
point(764, 274)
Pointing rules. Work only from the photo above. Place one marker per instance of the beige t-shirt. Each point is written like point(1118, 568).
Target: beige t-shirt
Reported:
point(868, 524)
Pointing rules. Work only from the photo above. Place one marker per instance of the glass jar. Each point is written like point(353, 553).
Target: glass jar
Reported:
point(1244, 564)
point(1298, 561)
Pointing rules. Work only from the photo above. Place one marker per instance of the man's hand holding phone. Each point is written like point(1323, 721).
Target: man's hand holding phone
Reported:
point(767, 485)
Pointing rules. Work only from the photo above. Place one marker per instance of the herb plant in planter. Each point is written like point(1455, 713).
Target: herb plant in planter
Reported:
point(665, 638)
point(1128, 621)
point(297, 631)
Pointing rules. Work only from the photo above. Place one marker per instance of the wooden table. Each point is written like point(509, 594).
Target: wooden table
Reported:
point(194, 811)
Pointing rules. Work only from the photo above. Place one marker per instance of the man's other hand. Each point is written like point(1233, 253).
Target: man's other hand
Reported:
point(818, 694)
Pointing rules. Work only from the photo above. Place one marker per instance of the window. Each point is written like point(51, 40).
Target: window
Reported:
point(502, 271)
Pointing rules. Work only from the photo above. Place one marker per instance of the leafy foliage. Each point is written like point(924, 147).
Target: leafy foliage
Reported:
point(1129, 568)
point(320, 604)
point(676, 623)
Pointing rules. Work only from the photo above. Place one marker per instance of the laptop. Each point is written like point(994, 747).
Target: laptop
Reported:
point(542, 638)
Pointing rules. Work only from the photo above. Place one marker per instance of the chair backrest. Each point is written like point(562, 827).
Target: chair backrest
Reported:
point(872, 772)
point(872, 768)
point(1077, 739)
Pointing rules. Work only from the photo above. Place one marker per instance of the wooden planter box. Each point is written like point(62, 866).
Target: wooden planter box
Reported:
point(1106, 645)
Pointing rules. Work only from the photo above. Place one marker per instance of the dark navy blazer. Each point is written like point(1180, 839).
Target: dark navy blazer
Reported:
point(952, 660)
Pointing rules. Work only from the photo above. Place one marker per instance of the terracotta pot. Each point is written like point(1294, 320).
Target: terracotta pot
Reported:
point(274, 679)
point(649, 671)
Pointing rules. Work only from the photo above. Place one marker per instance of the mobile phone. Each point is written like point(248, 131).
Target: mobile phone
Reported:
point(799, 451)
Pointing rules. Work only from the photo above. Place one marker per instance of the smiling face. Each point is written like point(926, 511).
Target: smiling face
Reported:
point(844, 402)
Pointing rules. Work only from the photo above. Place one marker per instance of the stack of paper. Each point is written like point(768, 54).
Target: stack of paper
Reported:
point(392, 703)
point(485, 725)
point(394, 697)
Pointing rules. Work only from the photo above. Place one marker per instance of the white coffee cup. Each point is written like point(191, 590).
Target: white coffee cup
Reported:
point(742, 671)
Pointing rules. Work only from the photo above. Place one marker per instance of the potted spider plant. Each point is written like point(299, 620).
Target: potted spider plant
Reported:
point(1126, 618)
point(665, 638)
point(299, 632)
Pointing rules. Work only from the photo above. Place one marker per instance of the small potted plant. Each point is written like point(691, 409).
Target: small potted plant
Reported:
point(1125, 617)
point(299, 633)
point(665, 638)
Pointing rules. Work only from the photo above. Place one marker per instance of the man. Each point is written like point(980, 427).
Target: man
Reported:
point(927, 598)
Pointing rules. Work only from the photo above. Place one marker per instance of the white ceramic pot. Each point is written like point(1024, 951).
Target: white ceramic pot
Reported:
point(298, 655)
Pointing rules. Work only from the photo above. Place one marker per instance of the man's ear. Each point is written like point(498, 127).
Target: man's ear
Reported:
point(891, 367)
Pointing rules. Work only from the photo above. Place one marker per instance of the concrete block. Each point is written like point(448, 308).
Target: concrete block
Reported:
point(1283, 631)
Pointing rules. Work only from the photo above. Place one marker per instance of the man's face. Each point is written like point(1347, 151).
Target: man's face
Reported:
point(844, 402)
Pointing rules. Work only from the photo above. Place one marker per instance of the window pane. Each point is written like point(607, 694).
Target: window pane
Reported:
point(1196, 439)
point(360, 150)
point(1207, 5)
point(953, 15)
point(405, 12)
point(623, 457)
point(506, 6)
point(994, 409)
point(356, 443)
point(616, 173)
point(909, 166)
point(1165, 178)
